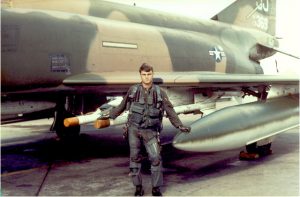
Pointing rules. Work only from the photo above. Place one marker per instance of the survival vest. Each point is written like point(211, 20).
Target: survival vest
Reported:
point(145, 109)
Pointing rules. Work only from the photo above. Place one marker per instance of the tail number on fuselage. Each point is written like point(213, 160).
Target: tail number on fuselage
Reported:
point(262, 5)
point(261, 22)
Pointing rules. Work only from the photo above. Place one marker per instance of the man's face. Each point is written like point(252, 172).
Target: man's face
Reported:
point(147, 77)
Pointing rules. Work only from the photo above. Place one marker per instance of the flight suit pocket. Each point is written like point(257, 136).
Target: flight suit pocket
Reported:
point(137, 109)
point(154, 113)
point(136, 114)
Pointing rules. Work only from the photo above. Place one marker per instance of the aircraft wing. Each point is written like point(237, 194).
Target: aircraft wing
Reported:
point(189, 79)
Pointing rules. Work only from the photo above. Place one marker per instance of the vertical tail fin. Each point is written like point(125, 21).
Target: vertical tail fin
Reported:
point(257, 14)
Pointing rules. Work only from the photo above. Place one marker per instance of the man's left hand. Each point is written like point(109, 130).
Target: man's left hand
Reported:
point(184, 129)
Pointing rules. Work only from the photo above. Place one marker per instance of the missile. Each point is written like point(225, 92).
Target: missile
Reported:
point(82, 119)
point(92, 117)
point(237, 126)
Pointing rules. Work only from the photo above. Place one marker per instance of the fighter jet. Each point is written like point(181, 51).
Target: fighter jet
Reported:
point(80, 56)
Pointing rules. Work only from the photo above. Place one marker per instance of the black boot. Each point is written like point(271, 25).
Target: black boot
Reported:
point(156, 191)
point(139, 191)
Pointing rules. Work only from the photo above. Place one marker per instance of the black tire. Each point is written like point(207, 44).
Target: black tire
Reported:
point(265, 149)
point(261, 150)
point(65, 133)
point(252, 148)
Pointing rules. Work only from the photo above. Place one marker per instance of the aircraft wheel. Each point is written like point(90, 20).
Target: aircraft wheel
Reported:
point(252, 148)
point(265, 149)
point(251, 152)
point(63, 132)
point(255, 152)
point(66, 133)
point(261, 150)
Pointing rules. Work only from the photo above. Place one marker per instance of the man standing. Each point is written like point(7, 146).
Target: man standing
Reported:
point(146, 103)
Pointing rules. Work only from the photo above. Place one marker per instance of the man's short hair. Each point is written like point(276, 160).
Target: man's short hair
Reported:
point(146, 67)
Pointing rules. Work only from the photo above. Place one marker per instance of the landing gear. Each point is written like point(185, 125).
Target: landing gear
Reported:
point(63, 132)
point(255, 152)
point(69, 105)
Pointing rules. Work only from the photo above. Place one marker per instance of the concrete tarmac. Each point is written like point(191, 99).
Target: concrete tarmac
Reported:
point(35, 163)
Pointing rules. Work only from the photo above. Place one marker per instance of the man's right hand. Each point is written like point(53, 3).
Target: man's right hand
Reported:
point(104, 115)
point(184, 129)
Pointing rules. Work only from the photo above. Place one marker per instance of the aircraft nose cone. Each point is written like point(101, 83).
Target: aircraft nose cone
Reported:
point(187, 141)
point(179, 140)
